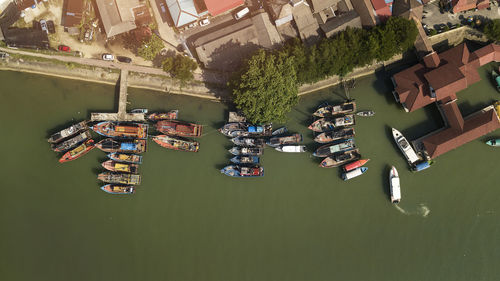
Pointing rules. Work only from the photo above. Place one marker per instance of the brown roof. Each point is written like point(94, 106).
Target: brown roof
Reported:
point(341, 22)
point(24, 4)
point(407, 9)
point(117, 15)
point(72, 13)
point(463, 5)
point(364, 9)
point(320, 5)
point(432, 60)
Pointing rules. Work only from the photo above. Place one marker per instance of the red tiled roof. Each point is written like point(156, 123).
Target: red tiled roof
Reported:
point(432, 60)
point(216, 7)
point(378, 4)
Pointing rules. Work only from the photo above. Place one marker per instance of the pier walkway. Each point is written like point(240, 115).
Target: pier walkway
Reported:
point(122, 114)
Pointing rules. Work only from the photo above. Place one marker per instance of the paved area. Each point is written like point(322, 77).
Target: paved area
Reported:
point(434, 19)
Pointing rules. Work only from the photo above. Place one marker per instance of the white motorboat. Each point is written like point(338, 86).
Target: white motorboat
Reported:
point(395, 187)
point(291, 148)
point(405, 147)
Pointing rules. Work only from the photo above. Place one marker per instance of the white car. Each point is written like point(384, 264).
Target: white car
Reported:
point(204, 22)
point(108, 57)
point(43, 26)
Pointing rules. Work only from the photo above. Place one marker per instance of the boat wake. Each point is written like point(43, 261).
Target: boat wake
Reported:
point(422, 210)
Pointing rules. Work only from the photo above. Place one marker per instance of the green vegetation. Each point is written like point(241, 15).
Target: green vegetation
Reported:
point(150, 48)
point(492, 29)
point(267, 88)
point(180, 67)
point(432, 32)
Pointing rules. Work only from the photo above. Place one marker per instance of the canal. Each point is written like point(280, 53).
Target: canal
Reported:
point(189, 222)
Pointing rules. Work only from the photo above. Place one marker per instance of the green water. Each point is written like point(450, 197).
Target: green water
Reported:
point(189, 222)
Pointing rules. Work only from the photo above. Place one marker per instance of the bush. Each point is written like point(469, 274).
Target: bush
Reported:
point(432, 32)
point(150, 48)
point(180, 67)
point(492, 29)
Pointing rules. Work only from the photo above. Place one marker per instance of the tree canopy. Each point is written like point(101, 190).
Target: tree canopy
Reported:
point(267, 90)
point(180, 67)
point(150, 48)
point(492, 29)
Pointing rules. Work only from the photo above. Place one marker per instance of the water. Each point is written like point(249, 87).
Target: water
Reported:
point(189, 222)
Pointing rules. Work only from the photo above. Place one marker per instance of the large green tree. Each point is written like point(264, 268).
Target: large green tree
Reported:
point(150, 48)
point(180, 67)
point(267, 89)
point(492, 29)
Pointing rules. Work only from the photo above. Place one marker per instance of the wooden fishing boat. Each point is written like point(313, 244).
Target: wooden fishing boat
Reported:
point(279, 131)
point(178, 128)
point(121, 130)
point(243, 171)
point(177, 143)
point(366, 113)
point(354, 173)
point(340, 158)
point(72, 142)
point(130, 146)
point(246, 150)
point(120, 178)
point(356, 164)
point(171, 115)
point(118, 189)
point(242, 129)
point(245, 159)
point(78, 151)
point(329, 149)
point(244, 141)
point(332, 110)
point(291, 148)
point(493, 142)
point(496, 79)
point(334, 135)
point(328, 124)
point(125, 158)
point(395, 185)
point(68, 132)
point(285, 140)
point(234, 129)
point(114, 166)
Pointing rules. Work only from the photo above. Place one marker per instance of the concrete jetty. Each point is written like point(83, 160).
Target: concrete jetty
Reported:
point(122, 114)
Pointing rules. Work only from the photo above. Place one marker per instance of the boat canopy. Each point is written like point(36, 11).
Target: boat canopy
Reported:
point(128, 146)
point(255, 129)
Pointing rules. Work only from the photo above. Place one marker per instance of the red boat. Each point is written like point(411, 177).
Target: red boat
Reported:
point(78, 151)
point(171, 115)
point(120, 130)
point(177, 143)
point(178, 128)
point(355, 164)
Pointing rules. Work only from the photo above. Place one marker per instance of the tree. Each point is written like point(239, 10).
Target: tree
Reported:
point(267, 90)
point(150, 48)
point(492, 29)
point(180, 67)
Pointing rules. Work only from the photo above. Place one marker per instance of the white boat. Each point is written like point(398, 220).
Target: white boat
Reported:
point(395, 187)
point(354, 173)
point(405, 146)
point(291, 148)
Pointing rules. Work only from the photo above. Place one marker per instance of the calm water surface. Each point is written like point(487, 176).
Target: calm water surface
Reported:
point(189, 222)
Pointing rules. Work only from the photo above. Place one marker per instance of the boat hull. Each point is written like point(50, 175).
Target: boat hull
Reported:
point(333, 110)
point(68, 132)
point(256, 151)
point(366, 113)
point(72, 142)
point(339, 159)
point(286, 140)
point(355, 164)
point(171, 115)
point(178, 128)
point(395, 185)
point(291, 148)
point(331, 136)
point(250, 142)
point(354, 173)
point(118, 189)
point(111, 145)
point(245, 159)
point(120, 130)
point(78, 151)
point(405, 147)
point(329, 124)
point(329, 149)
point(114, 166)
point(178, 143)
point(125, 158)
point(120, 178)
point(243, 171)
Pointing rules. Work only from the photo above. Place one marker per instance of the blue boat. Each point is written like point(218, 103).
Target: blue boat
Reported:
point(245, 159)
point(243, 171)
point(422, 166)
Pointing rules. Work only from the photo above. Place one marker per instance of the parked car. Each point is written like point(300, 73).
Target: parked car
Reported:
point(124, 59)
point(64, 48)
point(43, 26)
point(108, 57)
point(241, 13)
point(204, 22)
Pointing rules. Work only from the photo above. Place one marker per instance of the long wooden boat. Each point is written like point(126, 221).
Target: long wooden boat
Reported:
point(177, 143)
point(72, 142)
point(121, 130)
point(245, 159)
point(118, 189)
point(334, 135)
point(125, 158)
point(329, 149)
point(243, 171)
point(130, 146)
point(291, 148)
point(68, 132)
point(120, 178)
point(356, 164)
point(332, 110)
point(340, 159)
point(241, 129)
point(328, 124)
point(245, 141)
point(78, 151)
point(246, 150)
point(178, 128)
point(234, 129)
point(395, 185)
point(114, 166)
point(171, 115)
point(285, 140)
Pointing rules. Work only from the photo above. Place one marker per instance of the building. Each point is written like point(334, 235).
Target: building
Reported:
point(382, 9)
point(216, 7)
point(437, 80)
point(335, 15)
point(72, 13)
point(464, 5)
point(365, 10)
point(307, 25)
point(184, 12)
point(119, 16)
point(280, 11)
point(224, 49)
point(25, 4)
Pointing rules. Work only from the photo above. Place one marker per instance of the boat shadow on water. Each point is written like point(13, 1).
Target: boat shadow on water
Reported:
point(386, 187)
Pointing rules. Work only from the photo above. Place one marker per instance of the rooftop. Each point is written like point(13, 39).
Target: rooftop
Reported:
point(117, 15)
point(72, 13)
point(216, 7)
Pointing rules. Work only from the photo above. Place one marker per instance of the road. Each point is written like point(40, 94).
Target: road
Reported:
point(204, 76)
